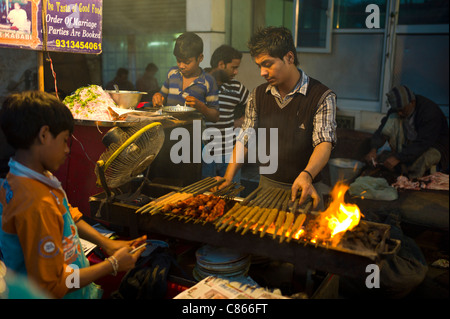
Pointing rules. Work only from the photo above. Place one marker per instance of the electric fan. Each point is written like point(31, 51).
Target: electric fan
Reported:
point(130, 150)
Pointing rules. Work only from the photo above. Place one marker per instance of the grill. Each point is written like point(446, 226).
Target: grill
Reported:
point(243, 228)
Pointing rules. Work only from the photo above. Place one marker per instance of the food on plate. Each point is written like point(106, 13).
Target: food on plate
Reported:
point(91, 103)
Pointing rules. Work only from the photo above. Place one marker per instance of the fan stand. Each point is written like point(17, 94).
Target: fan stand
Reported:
point(130, 197)
point(109, 195)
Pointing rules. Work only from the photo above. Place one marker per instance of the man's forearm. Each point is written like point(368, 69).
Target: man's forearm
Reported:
point(319, 158)
point(236, 161)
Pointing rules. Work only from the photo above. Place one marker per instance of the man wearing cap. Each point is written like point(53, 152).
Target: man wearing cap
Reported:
point(417, 132)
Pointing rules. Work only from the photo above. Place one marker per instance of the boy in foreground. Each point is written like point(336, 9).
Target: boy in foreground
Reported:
point(39, 230)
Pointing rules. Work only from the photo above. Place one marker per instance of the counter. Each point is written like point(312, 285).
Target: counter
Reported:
point(426, 208)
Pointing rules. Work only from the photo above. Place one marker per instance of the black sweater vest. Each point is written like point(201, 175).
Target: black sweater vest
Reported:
point(295, 127)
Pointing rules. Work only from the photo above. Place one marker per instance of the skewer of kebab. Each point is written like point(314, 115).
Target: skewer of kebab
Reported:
point(265, 214)
point(256, 205)
point(211, 207)
point(183, 196)
point(254, 219)
point(242, 209)
point(192, 207)
point(273, 213)
point(225, 190)
point(172, 195)
point(299, 221)
point(289, 220)
point(219, 208)
point(253, 211)
point(237, 206)
point(281, 214)
point(153, 202)
point(203, 208)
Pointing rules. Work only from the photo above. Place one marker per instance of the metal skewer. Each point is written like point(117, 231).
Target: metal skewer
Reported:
point(237, 206)
point(270, 202)
point(273, 214)
point(243, 210)
point(281, 214)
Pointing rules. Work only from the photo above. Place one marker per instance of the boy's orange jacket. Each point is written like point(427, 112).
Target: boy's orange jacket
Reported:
point(37, 235)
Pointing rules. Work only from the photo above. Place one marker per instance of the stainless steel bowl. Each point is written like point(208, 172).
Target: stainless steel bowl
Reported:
point(126, 99)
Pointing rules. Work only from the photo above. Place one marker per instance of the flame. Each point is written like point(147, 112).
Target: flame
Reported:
point(337, 218)
point(329, 226)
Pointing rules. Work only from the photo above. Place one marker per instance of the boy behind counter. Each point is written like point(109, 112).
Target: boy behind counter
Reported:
point(188, 83)
point(39, 229)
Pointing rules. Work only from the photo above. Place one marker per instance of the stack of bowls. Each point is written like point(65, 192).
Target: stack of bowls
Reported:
point(220, 262)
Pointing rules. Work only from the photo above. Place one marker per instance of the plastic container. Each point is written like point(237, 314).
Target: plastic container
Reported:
point(344, 169)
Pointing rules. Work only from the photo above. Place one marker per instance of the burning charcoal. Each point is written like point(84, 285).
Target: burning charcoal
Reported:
point(364, 227)
point(374, 237)
point(359, 243)
point(359, 234)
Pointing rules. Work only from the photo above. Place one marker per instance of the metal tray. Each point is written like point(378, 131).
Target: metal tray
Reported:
point(178, 109)
point(103, 123)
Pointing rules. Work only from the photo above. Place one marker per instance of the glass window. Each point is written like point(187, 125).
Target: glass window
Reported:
point(241, 23)
point(279, 13)
point(423, 12)
point(312, 23)
point(351, 14)
point(246, 16)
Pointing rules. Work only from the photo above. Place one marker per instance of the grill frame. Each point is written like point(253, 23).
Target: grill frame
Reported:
point(304, 256)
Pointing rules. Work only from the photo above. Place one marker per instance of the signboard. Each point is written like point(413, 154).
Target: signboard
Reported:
point(52, 25)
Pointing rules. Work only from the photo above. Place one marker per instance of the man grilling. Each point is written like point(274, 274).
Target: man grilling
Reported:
point(302, 109)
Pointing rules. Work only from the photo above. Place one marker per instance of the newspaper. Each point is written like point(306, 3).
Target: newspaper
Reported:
point(220, 288)
point(88, 246)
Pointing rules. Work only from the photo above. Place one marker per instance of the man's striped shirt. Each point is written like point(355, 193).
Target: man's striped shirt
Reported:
point(232, 97)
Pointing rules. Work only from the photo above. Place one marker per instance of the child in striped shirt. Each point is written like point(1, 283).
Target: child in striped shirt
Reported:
point(187, 83)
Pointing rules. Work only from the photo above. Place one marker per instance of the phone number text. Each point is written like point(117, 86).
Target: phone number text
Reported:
point(81, 45)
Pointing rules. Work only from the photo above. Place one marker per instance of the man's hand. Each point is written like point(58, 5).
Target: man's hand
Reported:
point(158, 99)
point(303, 183)
point(211, 115)
point(371, 157)
point(222, 185)
point(391, 162)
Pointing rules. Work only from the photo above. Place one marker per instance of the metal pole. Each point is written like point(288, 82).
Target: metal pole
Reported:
point(41, 71)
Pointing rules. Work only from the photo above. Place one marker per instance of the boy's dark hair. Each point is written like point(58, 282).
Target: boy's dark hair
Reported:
point(274, 41)
point(188, 45)
point(23, 114)
point(226, 54)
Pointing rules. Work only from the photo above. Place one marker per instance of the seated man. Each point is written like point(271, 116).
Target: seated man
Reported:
point(417, 132)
